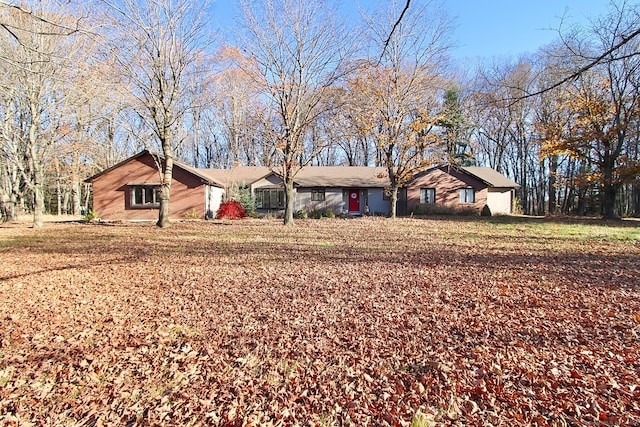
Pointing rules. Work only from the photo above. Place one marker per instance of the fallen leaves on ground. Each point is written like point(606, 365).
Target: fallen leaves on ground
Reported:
point(332, 322)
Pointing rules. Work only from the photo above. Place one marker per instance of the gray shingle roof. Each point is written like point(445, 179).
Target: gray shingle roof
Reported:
point(318, 176)
point(309, 176)
point(490, 176)
point(342, 176)
point(236, 175)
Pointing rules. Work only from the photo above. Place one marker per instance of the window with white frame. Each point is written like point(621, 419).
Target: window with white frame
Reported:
point(427, 195)
point(467, 195)
point(317, 194)
point(145, 196)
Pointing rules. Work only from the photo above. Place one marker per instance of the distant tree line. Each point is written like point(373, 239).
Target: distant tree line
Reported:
point(83, 86)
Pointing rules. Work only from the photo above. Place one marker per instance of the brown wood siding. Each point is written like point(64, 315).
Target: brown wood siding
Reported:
point(112, 194)
point(447, 185)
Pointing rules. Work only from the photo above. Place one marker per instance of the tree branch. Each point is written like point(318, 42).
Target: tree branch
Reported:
point(386, 43)
point(587, 67)
point(65, 30)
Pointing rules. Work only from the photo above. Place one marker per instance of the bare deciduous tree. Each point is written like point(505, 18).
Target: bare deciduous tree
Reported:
point(18, 19)
point(239, 108)
point(158, 44)
point(620, 45)
point(602, 97)
point(400, 91)
point(36, 88)
point(300, 51)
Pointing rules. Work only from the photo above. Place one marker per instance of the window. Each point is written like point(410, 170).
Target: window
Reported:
point(269, 198)
point(467, 195)
point(427, 195)
point(386, 193)
point(317, 195)
point(145, 196)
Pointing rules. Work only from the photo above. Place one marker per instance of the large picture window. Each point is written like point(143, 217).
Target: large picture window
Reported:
point(467, 195)
point(269, 198)
point(145, 196)
point(317, 194)
point(427, 195)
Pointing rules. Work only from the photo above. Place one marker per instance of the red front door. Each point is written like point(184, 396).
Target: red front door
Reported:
point(354, 201)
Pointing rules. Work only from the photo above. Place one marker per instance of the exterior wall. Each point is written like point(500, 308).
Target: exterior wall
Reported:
point(499, 201)
point(447, 186)
point(112, 194)
point(336, 199)
point(372, 198)
point(214, 200)
point(332, 200)
point(270, 181)
point(376, 202)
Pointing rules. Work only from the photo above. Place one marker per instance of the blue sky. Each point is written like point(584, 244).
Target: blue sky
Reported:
point(488, 28)
point(509, 27)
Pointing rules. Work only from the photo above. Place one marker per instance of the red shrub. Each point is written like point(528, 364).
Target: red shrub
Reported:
point(231, 210)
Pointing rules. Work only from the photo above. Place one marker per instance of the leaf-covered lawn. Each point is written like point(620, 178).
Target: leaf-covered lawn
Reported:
point(332, 322)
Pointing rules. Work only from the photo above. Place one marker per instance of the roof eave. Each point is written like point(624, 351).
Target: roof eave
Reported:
point(488, 183)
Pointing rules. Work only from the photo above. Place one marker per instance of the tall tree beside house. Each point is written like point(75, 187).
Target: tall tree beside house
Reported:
point(551, 124)
point(81, 144)
point(503, 123)
point(597, 134)
point(603, 104)
point(550, 128)
point(158, 45)
point(299, 52)
point(401, 88)
point(524, 158)
point(349, 146)
point(455, 128)
point(38, 62)
point(238, 109)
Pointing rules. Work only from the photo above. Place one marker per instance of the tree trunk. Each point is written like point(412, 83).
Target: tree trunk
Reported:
point(37, 177)
point(65, 201)
point(165, 188)
point(87, 197)
point(289, 202)
point(581, 208)
point(635, 200)
point(3, 207)
point(609, 188)
point(59, 195)
point(9, 209)
point(393, 201)
point(524, 191)
point(38, 202)
point(76, 186)
point(553, 191)
point(609, 202)
point(163, 213)
point(75, 196)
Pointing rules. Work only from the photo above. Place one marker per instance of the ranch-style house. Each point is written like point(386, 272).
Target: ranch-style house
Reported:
point(129, 190)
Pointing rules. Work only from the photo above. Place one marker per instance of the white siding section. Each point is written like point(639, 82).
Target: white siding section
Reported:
point(213, 200)
point(499, 200)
